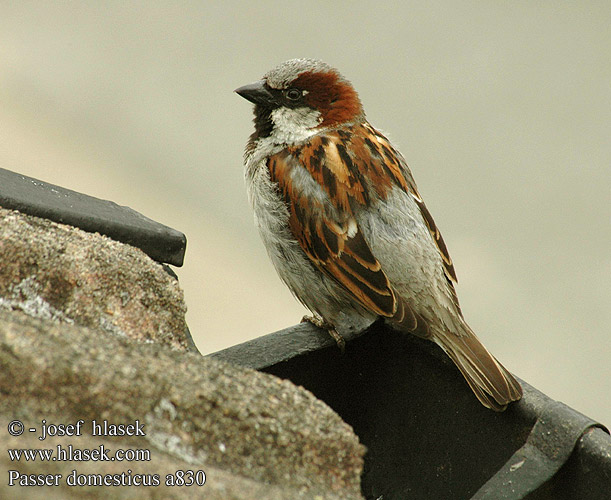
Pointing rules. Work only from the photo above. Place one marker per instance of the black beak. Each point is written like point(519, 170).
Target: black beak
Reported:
point(257, 93)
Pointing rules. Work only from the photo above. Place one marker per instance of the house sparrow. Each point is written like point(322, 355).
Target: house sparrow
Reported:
point(344, 225)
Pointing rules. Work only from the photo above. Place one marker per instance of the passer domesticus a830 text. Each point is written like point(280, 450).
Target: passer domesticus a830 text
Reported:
point(344, 225)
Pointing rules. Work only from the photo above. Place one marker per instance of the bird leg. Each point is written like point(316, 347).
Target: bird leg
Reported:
point(316, 320)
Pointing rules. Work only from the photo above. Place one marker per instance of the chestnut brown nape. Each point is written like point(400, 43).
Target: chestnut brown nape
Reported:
point(334, 97)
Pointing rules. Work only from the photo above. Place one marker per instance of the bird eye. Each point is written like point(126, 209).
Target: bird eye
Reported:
point(293, 94)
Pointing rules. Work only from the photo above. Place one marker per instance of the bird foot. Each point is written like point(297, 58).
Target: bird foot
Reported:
point(321, 323)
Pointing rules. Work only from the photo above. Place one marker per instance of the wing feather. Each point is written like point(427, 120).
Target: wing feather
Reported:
point(324, 183)
point(399, 170)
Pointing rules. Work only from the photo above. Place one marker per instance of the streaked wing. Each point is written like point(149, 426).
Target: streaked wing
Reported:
point(329, 234)
point(409, 185)
point(324, 182)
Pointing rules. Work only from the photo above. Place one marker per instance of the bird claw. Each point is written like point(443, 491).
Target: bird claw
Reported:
point(330, 329)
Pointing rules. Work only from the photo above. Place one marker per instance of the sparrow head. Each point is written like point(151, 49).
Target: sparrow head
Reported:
point(299, 97)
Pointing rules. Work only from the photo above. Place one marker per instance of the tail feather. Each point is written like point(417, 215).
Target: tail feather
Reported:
point(493, 385)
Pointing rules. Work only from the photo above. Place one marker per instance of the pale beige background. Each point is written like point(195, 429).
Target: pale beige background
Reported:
point(503, 110)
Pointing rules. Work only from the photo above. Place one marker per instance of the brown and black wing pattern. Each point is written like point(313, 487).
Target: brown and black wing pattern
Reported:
point(409, 186)
point(323, 183)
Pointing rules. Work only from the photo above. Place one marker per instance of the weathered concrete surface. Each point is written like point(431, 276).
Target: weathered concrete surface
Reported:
point(59, 272)
point(93, 329)
point(246, 430)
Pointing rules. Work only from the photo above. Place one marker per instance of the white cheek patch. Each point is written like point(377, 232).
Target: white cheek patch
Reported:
point(294, 125)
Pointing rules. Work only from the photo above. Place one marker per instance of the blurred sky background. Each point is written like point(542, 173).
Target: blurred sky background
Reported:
point(502, 109)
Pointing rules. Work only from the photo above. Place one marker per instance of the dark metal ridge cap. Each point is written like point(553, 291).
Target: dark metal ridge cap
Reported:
point(276, 347)
point(556, 433)
point(48, 201)
point(559, 437)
